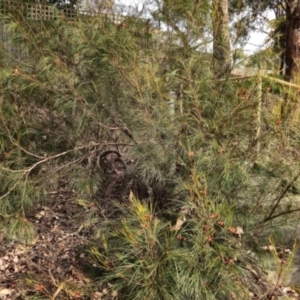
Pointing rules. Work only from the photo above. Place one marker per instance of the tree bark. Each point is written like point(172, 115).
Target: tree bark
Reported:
point(221, 38)
point(292, 51)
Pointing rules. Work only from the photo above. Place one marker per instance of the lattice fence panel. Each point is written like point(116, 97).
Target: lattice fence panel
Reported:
point(40, 12)
point(44, 12)
point(9, 6)
point(34, 11)
point(11, 54)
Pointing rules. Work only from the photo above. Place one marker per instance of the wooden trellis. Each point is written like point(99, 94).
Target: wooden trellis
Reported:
point(44, 12)
point(34, 11)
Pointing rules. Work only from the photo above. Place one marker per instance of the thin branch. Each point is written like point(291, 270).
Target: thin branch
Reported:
point(270, 216)
point(26, 172)
point(10, 190)
point(16, 144)
point(283, 213)
point(117, 120)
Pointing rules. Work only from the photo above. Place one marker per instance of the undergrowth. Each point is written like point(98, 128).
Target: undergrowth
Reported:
point(143, 133)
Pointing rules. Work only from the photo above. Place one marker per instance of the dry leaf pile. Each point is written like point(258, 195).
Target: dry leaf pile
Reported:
point(49, 264)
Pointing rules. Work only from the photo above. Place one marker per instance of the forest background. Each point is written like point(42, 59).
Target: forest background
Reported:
point(161, 173)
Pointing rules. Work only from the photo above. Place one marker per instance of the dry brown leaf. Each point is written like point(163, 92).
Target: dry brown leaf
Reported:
point(178, 224)
point(239, 231)
point(269, 248)
point(4, 293)
point(131, 196)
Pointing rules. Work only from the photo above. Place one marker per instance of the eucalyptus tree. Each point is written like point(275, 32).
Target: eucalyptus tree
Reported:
point(286, 29)
point(292, 44)
point(221, 37)
point(196, 21)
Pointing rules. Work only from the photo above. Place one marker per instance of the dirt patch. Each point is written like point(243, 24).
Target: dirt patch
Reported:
point(50, 265)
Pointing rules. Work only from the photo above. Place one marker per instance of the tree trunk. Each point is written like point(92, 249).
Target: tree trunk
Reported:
point(292, 51)
point(221, 38)
point(280, 36)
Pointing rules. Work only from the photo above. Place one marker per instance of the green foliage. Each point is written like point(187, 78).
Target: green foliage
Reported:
point(19, 230)
point(84, 84)
point(143, 257)
point(84, 87)
point(265, 59)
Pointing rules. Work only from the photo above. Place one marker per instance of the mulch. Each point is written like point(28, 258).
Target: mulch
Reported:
point(50, 266)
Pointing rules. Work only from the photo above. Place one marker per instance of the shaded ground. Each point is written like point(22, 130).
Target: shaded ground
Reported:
point(50, 266)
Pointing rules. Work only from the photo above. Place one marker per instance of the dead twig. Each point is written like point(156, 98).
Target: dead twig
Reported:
point(270, 216)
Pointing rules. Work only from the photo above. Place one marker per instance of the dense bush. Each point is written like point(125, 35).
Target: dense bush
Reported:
point(144, 257)
point(86, 104)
